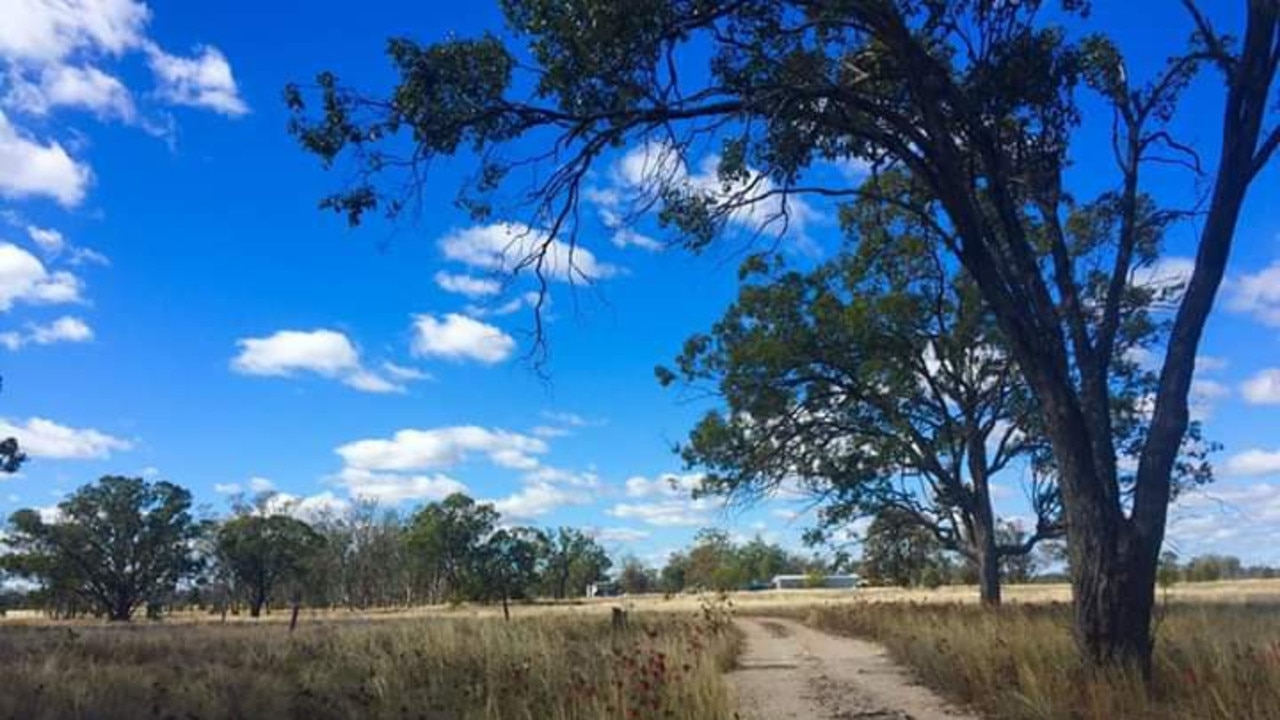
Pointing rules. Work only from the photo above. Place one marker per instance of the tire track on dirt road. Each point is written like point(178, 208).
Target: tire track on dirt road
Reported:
point(792, 672)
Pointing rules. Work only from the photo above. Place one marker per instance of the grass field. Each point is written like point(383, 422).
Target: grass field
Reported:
point(1219, 657)
point(552, 667)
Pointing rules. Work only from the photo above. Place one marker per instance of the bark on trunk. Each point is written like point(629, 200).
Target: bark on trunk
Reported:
point(989, 572)
point(1114, 591)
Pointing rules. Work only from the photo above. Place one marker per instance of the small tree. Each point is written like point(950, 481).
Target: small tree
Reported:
point(265, 552)
point(445, 541)
point(574, 559)
point(635, 578)
point(878, 381)
point(118, 543)
point(510, 565)
point(898, 551)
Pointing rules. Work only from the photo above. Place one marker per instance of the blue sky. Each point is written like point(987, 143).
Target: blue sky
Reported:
point(173, 304)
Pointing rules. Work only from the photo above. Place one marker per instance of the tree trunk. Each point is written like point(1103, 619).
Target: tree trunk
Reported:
point(988, 570)
point(256, 604)
point(506, 610)
point(121, 611)
point(1114, 589)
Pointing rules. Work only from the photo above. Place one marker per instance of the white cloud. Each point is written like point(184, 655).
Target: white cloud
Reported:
point(752, 204)
point(468, 285)
point(509, 247)
point(227, 488)
point(1257, 294)
point(1210, 363)
point(667, 513)
point(203, 80)
point(438, 448)
point(261, 484)
point(83, 87)
point(310, 508)
point(1167, 273)
point(565, 477)
point(515, 304)
point(1253, 463)
point(41, 438)
point(43, 31)
point(23, 278)
point(668, 485)
point(30, 168)
point(392, 488)
point(327, 353)
point(538, 499)
point(1240, 519)
point(458, 337)
point(618, 534)
point(50, 241)
point(1263, 388)
point(401, 372)
point(64, 329)
point(549, 431)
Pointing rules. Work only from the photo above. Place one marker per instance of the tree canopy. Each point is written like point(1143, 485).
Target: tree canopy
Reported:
point(979, 101)
point(117, 544)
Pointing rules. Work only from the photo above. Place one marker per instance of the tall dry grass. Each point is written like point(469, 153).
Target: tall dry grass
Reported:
point(1213, 661)
point(539, 668)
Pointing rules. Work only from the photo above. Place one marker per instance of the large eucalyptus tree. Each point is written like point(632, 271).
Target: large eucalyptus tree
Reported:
point(978, 99)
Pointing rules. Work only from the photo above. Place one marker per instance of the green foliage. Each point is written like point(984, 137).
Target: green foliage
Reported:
point(115, 544)
point(265, 552)
point(573, 560)
point(445, 539)
point(898, 551)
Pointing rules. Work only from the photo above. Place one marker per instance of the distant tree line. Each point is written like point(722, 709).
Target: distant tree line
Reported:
point(1209, 568)
point(124, 544)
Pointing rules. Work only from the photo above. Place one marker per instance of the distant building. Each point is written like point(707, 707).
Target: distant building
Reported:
point(803, 582)
point(603, 588)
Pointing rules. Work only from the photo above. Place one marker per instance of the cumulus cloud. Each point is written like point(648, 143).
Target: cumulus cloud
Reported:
point(203, 80)
point(509, 247)
point(64, 329)
point(1252, 463)
point(227, 488)
point(458, 337)
point(618, 534)
point(308, 508)
point(327, 353)
point(669, 485)
point(81, 87)
point(1257, 294)
point(1263, 388)
point(54, 55)
point(539, 498)
point(50, 241)
point(392, 488)
point(440, 448)
point(39, 31)
point(33, 168)
point(468, 285)
point(41, 438)
point(1240, 519)
point(751, 203)
point(667, 513)
point(1167, 273)
point(23, 278)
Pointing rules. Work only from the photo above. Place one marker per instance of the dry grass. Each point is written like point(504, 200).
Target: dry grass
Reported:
point(1214, 661)
point(536, 668)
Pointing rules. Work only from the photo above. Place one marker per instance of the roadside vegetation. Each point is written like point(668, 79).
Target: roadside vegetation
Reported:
point(1212, 661)
point(552, 667)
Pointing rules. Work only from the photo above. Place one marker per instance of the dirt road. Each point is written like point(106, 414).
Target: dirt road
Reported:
point(791, 671)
